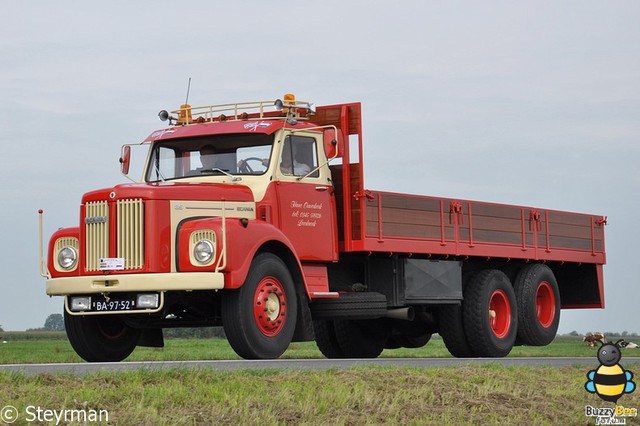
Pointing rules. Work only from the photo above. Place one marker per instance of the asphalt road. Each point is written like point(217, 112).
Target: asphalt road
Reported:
point(295, 364)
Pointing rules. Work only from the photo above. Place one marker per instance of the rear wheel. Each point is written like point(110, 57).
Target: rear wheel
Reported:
point(361, 338)
point(259, 318)
point(406, 341)
point(451, 329)
point(100, 338)
point(538, 300)
point(326, 339)
point(490, 314)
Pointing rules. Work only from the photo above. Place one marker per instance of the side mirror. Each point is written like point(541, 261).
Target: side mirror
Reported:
point(333, 143)
point(125, 160)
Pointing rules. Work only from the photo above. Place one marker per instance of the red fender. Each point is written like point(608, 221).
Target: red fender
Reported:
point(242, 244)
point(62, 233)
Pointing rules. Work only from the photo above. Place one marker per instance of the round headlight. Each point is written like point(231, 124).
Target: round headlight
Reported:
point(67, 257)
point(203, 251)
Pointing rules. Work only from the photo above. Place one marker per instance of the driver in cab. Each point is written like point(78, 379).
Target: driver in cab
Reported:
point(208, 158)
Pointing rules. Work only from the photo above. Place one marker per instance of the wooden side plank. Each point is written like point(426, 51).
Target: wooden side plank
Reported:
point(473, 224)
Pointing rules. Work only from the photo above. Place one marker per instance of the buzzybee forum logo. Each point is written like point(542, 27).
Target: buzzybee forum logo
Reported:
point(610, 381)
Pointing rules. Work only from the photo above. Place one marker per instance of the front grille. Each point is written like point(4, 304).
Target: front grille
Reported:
point(96, 227)
point(130, 233)
point(129, 222)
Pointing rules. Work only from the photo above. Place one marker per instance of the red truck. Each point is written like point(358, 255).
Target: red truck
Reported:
point(255, 216)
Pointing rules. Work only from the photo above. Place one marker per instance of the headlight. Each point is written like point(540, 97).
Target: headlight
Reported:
point(203, 251)
point(67, 257)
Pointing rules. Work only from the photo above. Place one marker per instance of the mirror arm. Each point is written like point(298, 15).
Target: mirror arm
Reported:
point(334, 142)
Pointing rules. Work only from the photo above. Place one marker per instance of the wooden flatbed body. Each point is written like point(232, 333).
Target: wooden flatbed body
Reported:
point(443, 226)
point(424, 226)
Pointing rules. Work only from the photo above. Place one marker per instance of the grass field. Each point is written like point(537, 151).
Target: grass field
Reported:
point(402, 396)
point(488, 394)
point(19, 351)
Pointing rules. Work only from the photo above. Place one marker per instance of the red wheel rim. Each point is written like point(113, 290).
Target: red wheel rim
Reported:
point(499, 314)
point(270, 306)
point(545, 304)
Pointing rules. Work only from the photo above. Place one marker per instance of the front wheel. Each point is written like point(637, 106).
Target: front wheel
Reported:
point(100, 338)
point(259, 318)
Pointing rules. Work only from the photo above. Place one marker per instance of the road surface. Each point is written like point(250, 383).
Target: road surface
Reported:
point(298, 364)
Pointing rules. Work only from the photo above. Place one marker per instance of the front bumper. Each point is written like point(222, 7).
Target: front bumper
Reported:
point(178, 281)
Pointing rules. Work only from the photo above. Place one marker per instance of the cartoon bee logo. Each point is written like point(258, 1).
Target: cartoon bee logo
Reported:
point(610, 380)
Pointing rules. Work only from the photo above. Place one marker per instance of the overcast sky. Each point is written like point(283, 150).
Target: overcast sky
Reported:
point(534, 104)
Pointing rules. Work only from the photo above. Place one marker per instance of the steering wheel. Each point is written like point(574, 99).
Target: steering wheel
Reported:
point(244, 167)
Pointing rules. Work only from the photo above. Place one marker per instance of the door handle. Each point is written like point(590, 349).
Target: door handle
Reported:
point(322, 188)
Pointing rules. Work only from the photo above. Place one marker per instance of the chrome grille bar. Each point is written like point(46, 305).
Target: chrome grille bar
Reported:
point(130, 232)
point(96, 226)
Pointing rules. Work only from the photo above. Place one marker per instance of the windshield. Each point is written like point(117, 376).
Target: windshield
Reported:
point(231, 155)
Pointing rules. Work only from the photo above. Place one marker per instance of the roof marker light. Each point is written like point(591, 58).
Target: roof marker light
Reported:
point(185, 114)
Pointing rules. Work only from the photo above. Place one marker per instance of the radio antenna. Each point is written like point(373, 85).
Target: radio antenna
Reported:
point(186, 101)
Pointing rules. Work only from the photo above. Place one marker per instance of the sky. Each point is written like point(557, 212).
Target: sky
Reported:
point(526, 103)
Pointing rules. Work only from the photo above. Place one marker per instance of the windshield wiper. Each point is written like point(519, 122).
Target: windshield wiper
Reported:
point(224, 172)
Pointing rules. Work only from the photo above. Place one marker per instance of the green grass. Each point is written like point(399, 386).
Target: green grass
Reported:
point(57, 351)
point(487, 394)
point(403, 396)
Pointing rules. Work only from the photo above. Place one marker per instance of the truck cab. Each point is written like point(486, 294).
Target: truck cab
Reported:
point(219, 197)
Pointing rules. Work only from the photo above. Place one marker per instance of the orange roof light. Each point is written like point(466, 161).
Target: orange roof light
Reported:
point(289, 101)
point(185, 114)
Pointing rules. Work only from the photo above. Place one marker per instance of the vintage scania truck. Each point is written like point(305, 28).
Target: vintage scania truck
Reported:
point(255, 216)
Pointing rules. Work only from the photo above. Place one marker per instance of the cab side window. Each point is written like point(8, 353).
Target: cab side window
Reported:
point(299, 156)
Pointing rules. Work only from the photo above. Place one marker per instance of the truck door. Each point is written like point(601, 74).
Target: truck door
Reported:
point(306, 199)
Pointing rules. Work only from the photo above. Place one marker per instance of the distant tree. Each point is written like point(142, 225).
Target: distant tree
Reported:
point(574, 333)
point(1, 329)
point(54, 322)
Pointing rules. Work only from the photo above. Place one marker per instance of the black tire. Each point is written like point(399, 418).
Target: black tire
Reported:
point(259, 318)
point(538, 300)
point(356, 305)
point(326, 339)
point(406, 341)
point(361, 338)
point(408, 334)
point(100, 338)
point(451, 329)
point(490, 314)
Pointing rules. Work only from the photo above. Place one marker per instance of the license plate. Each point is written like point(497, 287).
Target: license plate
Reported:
point(113, 305)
